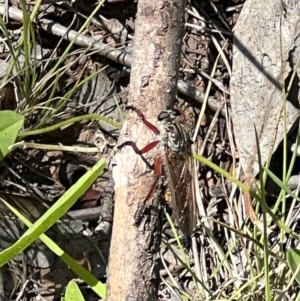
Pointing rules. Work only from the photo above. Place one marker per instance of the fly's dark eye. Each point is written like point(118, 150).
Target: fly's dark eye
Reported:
point(168, 114)
point(163, 116)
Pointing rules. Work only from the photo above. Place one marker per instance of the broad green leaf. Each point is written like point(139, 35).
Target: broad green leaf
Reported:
point(65, 202)
point(98, 287)
point(73, 292)
point(10, 125)
point(293, 258)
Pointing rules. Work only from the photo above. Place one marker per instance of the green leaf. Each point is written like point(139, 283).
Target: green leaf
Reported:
point(98, 287)
point(10, 125)
point(65, 202)
point(73, 292)
point(293, 258)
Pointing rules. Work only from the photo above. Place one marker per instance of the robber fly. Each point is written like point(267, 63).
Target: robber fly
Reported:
point(180, 169)
point(179, 166)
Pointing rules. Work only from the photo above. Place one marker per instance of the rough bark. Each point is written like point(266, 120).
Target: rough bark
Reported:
point(265, 51)
point(134, 254)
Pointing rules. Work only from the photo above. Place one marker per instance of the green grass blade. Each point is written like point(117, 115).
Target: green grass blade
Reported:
point(69, 121)
point(90, 279)
point(54, 213)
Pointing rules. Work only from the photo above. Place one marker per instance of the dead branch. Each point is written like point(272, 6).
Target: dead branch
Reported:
point(133, 264)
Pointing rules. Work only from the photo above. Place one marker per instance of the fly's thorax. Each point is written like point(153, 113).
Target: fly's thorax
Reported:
point(175, 138)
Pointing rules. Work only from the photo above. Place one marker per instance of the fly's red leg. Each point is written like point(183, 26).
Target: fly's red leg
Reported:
point(152, 127)
point(157, 172)
point(157, 165)
point(148, 147)
point(136, 150)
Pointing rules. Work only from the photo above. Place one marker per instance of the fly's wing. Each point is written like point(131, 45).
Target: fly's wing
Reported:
point(180, 171)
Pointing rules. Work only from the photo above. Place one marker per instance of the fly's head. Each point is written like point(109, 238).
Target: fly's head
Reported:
point(173, 134)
